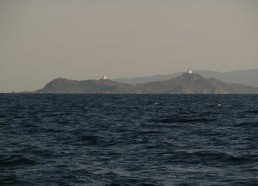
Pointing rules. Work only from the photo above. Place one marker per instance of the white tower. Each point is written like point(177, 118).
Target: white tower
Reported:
point(104, 78)
point(189, 71)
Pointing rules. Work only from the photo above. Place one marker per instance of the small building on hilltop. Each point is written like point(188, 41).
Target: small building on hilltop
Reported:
point(189, 71)
point(104, 78)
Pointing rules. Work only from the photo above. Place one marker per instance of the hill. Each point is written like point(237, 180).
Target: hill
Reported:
point(63, 85)
point(183, 84)
point(245, 77)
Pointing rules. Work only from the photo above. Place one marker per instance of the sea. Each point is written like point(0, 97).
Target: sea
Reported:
point(128, 140)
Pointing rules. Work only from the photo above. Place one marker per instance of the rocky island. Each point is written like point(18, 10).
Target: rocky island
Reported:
point(187, 83)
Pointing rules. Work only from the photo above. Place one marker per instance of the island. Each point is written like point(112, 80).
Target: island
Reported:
point(187, 83)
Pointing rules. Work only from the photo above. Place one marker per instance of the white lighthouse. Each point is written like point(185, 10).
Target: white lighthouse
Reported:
point(189, 71)
point(104, 78)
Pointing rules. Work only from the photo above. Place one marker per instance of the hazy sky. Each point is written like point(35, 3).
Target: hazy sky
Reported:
point(85, 39)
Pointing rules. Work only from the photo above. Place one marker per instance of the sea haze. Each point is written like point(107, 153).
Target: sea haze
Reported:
point(49, 139)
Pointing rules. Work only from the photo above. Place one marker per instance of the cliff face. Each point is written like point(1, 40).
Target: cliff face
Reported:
point(183, 84)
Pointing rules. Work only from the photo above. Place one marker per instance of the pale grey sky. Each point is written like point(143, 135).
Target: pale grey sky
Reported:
point(85, 39)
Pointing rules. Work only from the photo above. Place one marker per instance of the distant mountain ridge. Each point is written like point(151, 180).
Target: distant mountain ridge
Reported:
point(186, 83)
point(245, 77)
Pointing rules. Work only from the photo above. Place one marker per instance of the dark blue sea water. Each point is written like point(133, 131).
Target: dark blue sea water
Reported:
point(136, 140)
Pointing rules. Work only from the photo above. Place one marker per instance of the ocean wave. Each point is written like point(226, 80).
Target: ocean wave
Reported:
point(183, 120)
point(214, 156)
point(16, 159)
point(12, 179)
point(247, 124)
